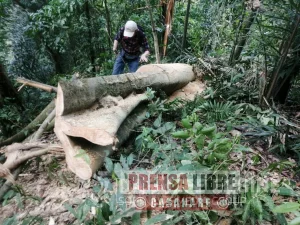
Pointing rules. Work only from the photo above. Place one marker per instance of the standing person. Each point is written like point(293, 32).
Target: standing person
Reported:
point(132, 39)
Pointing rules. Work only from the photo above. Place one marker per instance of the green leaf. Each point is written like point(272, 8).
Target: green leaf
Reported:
point(287, 207)
point(174, 221)
point(119, 171)
point(220, 156)
point(116, 219)
point(281, 219)
point(158, 218)
point(193, 167)
point(268, 202)
point(181, 134)
point(10, 221)
point(105, 211)
point(157, 122)
point(124, 162)
point(109, 165)
point(208, 130)
point(257, 206)
point(82, 154)
point(186, 123)
point(130, 159)
point(246, 213)
point(200, 142)
point(100, 218)
point(166, 127)
point(295, 221)
point(284, 191)
point(136, 218)
point(70, 209)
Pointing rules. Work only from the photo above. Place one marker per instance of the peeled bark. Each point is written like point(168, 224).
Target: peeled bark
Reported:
point(96, 114)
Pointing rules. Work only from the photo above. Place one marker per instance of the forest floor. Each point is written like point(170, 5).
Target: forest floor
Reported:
point(46, 185)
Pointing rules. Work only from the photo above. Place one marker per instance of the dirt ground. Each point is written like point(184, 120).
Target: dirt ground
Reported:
point(45, 186)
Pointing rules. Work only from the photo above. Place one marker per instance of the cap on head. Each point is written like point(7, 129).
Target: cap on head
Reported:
point(130, 28)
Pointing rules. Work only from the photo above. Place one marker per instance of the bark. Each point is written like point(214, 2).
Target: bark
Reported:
point(92, 113)
point(155, 39)
point(16, 155)
point(30, 127)
point(186, 23)
point(6, 87)
point(284, 49)
point(108, 22)
point(238, 48)
point(35, 84)
point(44, 125)
point(57, 59)
point(90, 35)
point(168, 23)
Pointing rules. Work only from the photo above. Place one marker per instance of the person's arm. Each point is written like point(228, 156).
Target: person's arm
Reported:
point(145, 45)
point(115, 46)
point(117, 39)
point(144, 56)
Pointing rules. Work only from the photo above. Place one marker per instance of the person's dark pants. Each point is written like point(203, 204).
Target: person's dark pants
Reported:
point(120, 65)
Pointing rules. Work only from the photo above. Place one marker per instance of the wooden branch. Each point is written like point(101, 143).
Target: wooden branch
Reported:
point(30, 127)
point(18, 153)
point(44, 125)
point(35, 84)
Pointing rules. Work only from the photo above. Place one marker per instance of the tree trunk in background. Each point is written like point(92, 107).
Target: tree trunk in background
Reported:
point(186, 23)
point(155, 39)
point(108, 22)
point(168, 23)
point(238, 48)
point(278, 84)
point(57, 60)
point(6, 87)
point(90, 35)
point(284, 84)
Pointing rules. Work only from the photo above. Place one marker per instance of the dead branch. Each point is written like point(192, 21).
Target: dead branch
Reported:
point(19, 153)
point(35, 84)
point(30, 127)
point(44, 125)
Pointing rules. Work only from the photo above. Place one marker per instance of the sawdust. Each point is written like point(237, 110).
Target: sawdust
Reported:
point(189, 92)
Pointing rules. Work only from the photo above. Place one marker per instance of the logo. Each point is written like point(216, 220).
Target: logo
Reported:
point(180, 191)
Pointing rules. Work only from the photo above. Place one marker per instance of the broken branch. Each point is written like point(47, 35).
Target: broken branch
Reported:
point(36, 84)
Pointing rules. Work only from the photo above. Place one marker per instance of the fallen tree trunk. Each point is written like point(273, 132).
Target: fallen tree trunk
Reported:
point(19, 137)
point(90, 112)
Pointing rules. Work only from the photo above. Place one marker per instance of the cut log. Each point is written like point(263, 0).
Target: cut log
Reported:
point(91, 113)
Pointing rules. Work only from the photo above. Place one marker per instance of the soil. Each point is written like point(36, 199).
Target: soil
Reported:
point(45, 186)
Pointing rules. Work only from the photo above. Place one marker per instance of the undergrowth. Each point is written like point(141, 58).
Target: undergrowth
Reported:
point(202, 135)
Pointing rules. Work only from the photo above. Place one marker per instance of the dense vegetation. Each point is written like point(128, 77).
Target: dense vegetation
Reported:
point(247, 52)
